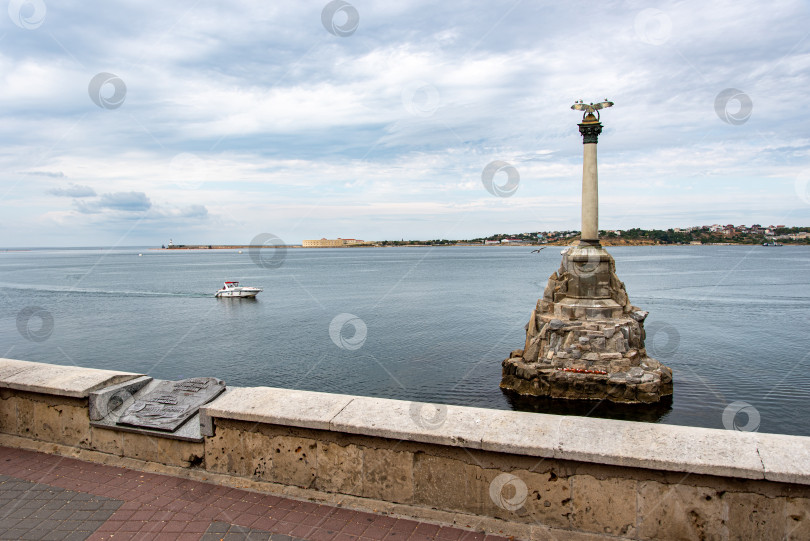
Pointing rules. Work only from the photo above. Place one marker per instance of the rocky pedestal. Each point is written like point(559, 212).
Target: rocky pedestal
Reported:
point(585, 340)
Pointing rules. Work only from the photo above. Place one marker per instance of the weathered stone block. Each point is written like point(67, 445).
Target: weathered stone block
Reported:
point(47, 422)
point(606, 506)
point(75, 426)
point(294, 460)
point(679, 512)
point(224, 452)
point(179, 453)
point(753, 516)
point(549, 498)
point(647, 398)
point(797, 511)
point(442, 483)
point(161, 450)
point(256, 460)
point(532, 349)
point(665, 373)
point(619, 365)
point(25, 417)
point(339, 468)
point(8, 412)
point(525, 372)
point(615, 390)
point(388, 475)
point(651, 387)
point(107, 441)
point(531, 329)
point(141, 446)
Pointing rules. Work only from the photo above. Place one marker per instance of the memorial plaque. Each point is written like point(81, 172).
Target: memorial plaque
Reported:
point(171, 403)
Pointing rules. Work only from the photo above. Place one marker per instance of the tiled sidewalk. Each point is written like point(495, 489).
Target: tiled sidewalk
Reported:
point(51, 497)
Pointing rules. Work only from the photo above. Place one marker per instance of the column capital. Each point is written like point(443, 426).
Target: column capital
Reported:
point(590, 132)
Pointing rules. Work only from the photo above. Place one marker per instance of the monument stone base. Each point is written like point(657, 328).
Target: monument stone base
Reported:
point(585, 340)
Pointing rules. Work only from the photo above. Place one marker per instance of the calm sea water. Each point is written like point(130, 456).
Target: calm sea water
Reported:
point(427, 324)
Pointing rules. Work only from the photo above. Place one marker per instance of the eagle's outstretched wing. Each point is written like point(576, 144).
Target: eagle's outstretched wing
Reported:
point(581, 107)
point(603, 104)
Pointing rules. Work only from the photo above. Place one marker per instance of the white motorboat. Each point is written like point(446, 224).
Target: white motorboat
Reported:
point(233, 289)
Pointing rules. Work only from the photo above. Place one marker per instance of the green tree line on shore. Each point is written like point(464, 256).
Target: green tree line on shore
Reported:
point(657, 236)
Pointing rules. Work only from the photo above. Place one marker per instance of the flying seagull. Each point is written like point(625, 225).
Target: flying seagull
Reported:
point(591, 108)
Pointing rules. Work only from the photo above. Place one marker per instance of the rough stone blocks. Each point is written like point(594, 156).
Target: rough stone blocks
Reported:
point(605, 506)
point(679, 511)
point(753, 516)
point(161, 450)
point(340, 468)
point(443, 482)
point(8, 412)
point(797, 511)
point(256, 460)
point(388, 475)
point(107, 441)
point(224, 452)
point(62, 420)
point(294, 460)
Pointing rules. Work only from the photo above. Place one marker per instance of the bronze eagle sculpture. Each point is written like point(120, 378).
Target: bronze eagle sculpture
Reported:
point(591, 108)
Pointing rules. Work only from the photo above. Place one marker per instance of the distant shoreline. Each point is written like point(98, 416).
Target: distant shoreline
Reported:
point(459, 245)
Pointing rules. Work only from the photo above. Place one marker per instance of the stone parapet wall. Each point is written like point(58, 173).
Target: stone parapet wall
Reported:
point(49, 403)
point(526, 474)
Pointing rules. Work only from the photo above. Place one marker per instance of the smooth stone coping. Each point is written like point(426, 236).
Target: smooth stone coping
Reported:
point(58, 380)
point(269, 405)
point(786, 458)
point(690, 450)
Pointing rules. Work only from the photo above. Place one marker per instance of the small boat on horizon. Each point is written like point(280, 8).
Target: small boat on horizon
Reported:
point(233, 289)
point(774, 243)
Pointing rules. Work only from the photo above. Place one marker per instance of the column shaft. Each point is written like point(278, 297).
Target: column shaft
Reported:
point(590, 194)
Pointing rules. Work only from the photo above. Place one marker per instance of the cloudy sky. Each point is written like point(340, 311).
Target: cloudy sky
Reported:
point(132, 122)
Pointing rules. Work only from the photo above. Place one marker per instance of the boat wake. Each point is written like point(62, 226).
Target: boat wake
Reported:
point(14, 290)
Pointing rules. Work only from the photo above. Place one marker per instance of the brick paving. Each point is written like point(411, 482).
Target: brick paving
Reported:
point(222, 531)
point(35, 511)
point(45, 496)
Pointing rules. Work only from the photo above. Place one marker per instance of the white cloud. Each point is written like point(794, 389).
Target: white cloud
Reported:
point(73, 190)
point(243, 117)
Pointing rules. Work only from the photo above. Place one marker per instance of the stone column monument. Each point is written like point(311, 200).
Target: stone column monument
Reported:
point(584, 339)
